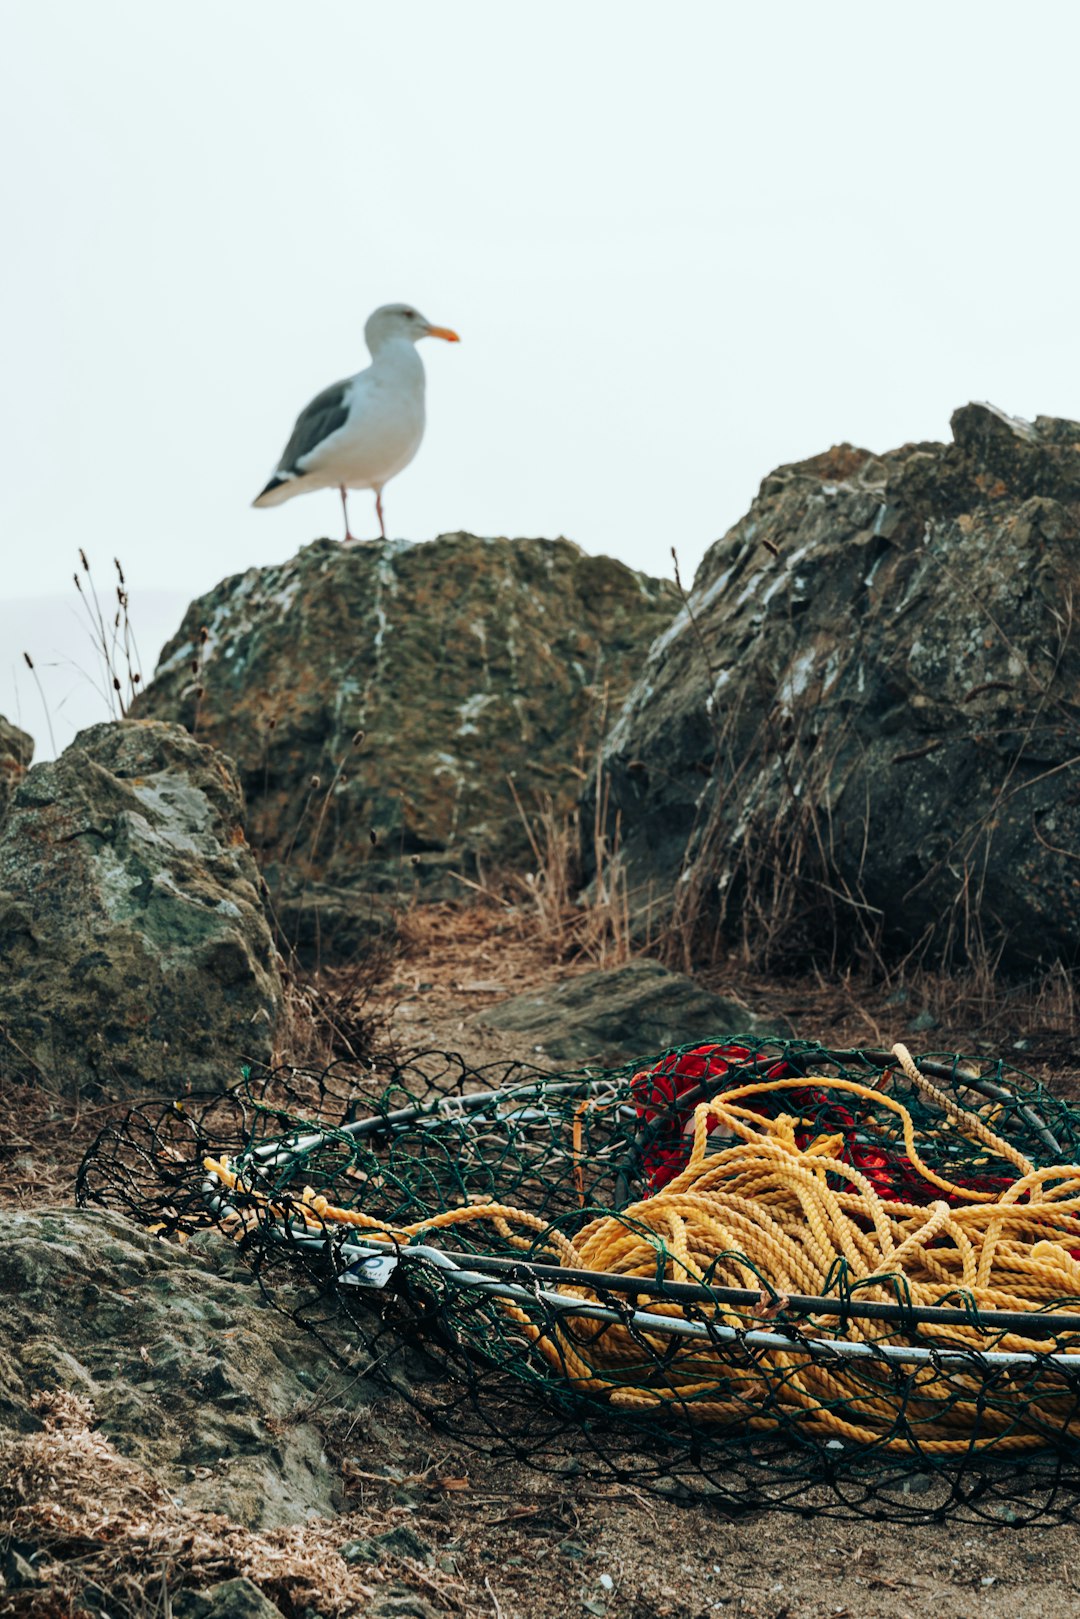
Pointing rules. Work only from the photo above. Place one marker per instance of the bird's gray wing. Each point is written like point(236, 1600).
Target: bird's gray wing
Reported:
point(326, 413)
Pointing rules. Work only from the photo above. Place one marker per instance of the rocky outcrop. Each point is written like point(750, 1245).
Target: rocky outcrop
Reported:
point(618, 1014)
point(377, 697)
point(864, 726)
point(191, 1375)
point(134, 949)
point(16, 752)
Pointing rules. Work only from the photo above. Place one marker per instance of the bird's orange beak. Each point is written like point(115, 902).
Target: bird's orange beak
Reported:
point(444, 332)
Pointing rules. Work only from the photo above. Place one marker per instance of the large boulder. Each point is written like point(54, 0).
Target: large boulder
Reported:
point(192, 1375)
point(463, 662)
point(16, 752)
point(134, 948)
point(864, 725)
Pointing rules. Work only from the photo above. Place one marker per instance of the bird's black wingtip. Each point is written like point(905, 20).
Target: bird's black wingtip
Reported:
point(274, 484)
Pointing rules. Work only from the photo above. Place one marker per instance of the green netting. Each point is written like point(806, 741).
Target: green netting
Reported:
point(695, 1371)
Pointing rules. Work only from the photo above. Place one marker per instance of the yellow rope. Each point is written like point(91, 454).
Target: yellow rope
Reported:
point(763, 1211)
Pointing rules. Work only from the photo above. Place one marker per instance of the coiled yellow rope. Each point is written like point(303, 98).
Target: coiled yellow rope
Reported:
point(763, 1211)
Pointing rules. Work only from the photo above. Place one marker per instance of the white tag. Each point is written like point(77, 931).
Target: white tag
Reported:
point(374, 1271)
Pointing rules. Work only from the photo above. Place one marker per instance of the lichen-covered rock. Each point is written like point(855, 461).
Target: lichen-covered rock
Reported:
point(134, 949)
point(463, 661)
point(866, 723)
point(193, 1376)
point(16, 752)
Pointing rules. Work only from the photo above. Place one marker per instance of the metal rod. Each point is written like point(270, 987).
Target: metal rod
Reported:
point(474, 1101)
point(1032, 1324)
point(971, 1360)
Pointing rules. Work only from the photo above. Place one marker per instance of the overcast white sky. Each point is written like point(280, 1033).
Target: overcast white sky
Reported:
point(682, 244)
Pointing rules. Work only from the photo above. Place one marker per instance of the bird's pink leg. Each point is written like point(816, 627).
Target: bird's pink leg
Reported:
point(345, 509)
point(378, 508)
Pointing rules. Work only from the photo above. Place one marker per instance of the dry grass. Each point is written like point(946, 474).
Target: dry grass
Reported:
point(575, 923)
point(1042, 1008)
point(331, 1015)
point(112, 636)
point(107, 1537)
point(43, 1141)
point(119, 668)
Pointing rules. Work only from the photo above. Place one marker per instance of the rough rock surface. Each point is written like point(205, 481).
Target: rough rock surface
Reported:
point(462, 661)
point(190, 1374)
point(229, 1599)
point(318, 923)
point(867, 722)
point(617, 1014)
point(134, 949)
point(16, 752)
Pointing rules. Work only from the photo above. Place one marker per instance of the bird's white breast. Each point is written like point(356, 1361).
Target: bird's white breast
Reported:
point(384, 427)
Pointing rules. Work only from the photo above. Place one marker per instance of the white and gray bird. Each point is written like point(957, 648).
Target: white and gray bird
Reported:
point(362, 432)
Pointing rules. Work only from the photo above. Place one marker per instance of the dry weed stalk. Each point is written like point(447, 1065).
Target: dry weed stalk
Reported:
point(761, 867)
point(113, 638)
point(28, 660)
point(591, 924)
point(328, 1015)
point(977, 996)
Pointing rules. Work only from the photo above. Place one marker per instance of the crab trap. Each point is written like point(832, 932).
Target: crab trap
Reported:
point(765, 1273)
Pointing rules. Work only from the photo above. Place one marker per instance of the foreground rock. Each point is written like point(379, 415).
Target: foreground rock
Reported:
point(16, 752)
point(230, 1599)
point(615, 1015)
point(463, 662)
point(134, 950)
point(865, 728)
point(189, 1374)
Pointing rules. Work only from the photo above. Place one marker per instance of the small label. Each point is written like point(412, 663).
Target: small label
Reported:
point(374, 1271)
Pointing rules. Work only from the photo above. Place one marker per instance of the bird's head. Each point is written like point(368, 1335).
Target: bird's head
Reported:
point(395, 321)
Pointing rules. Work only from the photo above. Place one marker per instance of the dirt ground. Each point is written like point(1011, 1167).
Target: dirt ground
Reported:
point(507, 1543)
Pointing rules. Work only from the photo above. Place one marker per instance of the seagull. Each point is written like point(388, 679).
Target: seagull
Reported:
point(360, 433)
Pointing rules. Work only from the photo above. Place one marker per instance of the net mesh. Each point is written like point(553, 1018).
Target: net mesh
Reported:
point(764, 1273)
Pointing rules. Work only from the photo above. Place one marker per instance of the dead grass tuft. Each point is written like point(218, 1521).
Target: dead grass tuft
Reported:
point(101, 1534)
point(575, 923)
point(331, 1014)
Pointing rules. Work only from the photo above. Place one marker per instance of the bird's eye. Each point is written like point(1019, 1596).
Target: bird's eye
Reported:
point(410, 314)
